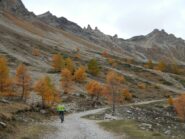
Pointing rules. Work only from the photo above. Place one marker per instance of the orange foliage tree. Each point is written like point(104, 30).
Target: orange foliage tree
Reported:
point(80, 74)
point(179, 105)
point(23, 80)
point(36, 52)
point(4, 75)
point(95, 90)
point(105, 54)
point(170, 101)
point(126, 95)
point(114, 81)
point(112, 62)
point(46, 89)
point(58, 62)
point(66, 80)
point(69, 65)
point(161, 66)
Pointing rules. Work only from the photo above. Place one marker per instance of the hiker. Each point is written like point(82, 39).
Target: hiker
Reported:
point(61, 110)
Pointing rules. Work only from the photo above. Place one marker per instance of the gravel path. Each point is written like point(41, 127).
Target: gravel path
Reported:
point(75, 127)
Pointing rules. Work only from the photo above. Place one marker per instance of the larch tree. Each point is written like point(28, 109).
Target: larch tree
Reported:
point(48, 92)
point(114, 82)
point(179, 105)
point(4, 75)
point(80, 74)
point(170, 101)
point(23, 80)
point(105, 54)
point(58, 62)
point(149, 64)
point(93, 67)
point(95, 90)
point(66, 80)
point(161, 66)
point(69, 65)
point(36, 52)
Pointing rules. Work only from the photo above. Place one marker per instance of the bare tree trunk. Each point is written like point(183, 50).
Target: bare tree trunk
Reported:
point(113, 102)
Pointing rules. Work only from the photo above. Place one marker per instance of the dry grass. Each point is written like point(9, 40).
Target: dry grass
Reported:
point(24, 24)
point(7, 110)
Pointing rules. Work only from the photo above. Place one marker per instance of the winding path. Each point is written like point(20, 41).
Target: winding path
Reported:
point(75, 127)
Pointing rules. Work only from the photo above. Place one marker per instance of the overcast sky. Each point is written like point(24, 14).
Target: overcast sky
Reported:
point(126, 18)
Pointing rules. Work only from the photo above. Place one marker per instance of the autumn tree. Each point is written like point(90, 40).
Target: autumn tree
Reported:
point(174, 68)
point(112, 62)
point(161, 66)
point(58, 62)
point(4, 75)
point(114, 81)
point(36, 52)
point(179, 105)
point(126, 95)
point(141, 85)
point(80, 74)
point(66, 80)
point(95, 90)
point(93, 67)
point(46, 89)
point(69, 65)
point(149, 64)
point(170, 101)
point(105, 54)
point(23, 81)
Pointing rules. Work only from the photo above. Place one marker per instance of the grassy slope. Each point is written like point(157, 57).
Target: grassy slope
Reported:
point(130, 128)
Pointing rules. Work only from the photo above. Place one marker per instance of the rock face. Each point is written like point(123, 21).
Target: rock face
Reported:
point(61, 22)
point(157, 45)
point(94, 35)
point(16, 7)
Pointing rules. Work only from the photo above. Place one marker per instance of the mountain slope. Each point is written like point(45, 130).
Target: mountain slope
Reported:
point(61, 33)
point(159, 45)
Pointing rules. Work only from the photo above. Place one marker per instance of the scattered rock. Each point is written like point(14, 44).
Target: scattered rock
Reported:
point(43, 111)
point(4, 101)
point(167, 132)
point(2, 124)
point(110, 117)
point(145, 125)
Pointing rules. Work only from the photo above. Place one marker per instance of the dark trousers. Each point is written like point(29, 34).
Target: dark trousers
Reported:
point(61, 114)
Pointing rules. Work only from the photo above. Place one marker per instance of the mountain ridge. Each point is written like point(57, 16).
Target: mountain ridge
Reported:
point(157, 45)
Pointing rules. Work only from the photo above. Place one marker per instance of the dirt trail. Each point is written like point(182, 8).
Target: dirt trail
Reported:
point(75, 127)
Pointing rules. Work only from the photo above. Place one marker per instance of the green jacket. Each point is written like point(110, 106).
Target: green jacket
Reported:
point(60, 108)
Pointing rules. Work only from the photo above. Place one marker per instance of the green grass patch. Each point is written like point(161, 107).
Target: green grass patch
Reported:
point(131, 129)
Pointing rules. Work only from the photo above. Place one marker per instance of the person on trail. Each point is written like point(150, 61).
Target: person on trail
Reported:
point(61, 110)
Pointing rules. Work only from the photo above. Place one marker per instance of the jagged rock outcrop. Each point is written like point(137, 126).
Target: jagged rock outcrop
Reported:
point(16, 7)
point(61, 22)
point(157, 45)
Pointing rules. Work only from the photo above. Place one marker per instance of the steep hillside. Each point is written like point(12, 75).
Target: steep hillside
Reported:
point(157, 45)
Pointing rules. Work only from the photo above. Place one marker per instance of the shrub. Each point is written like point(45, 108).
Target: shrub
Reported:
point(141, 85)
